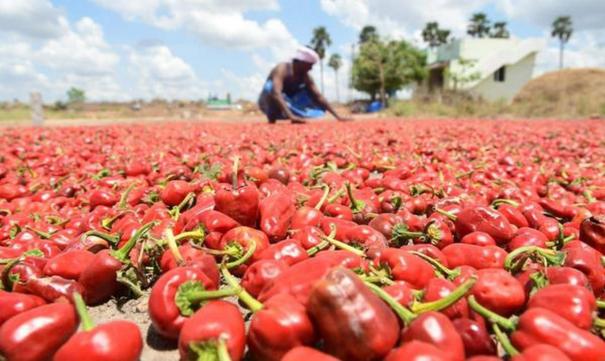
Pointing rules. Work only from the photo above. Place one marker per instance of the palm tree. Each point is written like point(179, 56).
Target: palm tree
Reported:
point(562, 28)
point(500, 31)
point(368, 33)
point(434, 36)
point(320, 41)
point(335, 63)
point(479, 26)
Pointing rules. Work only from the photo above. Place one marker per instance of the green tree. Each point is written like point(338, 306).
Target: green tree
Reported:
point(479, 26)
point(76, 96)
point(562, 28)
point(368, 33)
point(432, 35)
point(500, 31)
point(385, 67)
point(320, 42)
point(462, 74)
point(335, 63)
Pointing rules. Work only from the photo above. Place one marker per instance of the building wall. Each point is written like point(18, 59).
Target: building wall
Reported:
point(517, 75)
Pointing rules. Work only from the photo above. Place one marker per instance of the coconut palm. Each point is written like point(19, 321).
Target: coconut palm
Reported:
point(368, 33)
point(479, 26)
point(335, 63)
point(320, 41)
point(562, 28)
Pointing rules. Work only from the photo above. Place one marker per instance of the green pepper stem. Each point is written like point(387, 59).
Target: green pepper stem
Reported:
point(344, 246)
point(550, 256)
point(598, 323)
point(336, 195)
point(401, 231)
point(404, 314)
point(222, 351)
point(123, 203)
point(174, 248)
point(243, 259)
point(589, 197)
point(356, 206)
point(499, 201)
point(253, 304)
point(504, 341)
point(452, 217)
point(448, 272)
point(176, 211)
point(105, 236)
point(600, 303)
point(315, 249)
point(87, 323)
point(446, 301)
point(122, 253)
point(199, 233)
point(198, 297)
point(377, 279)
point(491, 316)
point(324, 197)
point(42, 234)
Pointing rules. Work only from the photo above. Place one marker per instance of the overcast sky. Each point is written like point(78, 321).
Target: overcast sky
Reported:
point(120, 50)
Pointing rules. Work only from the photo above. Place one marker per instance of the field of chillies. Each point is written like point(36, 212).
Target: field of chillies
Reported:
point(377, 240)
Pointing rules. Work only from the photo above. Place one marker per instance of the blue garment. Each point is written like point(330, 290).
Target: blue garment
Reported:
point(300, 104)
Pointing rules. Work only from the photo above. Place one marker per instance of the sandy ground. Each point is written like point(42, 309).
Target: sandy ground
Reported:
point(156, 348)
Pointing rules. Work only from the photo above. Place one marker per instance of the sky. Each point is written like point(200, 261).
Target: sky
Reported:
point(189, 49)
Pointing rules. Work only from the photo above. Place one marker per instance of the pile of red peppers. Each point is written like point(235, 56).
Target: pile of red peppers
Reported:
point(378, 240)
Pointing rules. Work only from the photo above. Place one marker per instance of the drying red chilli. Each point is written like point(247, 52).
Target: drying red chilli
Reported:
point(376, 240)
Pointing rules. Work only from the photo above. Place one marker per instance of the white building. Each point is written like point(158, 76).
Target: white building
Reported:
point(493, 69)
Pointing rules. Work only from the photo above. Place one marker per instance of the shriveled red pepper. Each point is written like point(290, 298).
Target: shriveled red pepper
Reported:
point(476, 338)
point(215, 331)
point(239, 201)
point(52, 288)
point(586, 259)
point(276, 212)
point(353, 322)
point(303, 353)
point(486, 220)
point(298, 280)
point(261, 274)
point(282, 324)
point(114, 340)
point(38, 333)
point(592, 232)
point(499, 291)
point(13, 303)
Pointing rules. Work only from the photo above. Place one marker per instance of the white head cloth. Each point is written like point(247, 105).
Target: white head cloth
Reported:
point(307, 55)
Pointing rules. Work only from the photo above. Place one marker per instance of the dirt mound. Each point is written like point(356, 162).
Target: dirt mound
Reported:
point(565, 93)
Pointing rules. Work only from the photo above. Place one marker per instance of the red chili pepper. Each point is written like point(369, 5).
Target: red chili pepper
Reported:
point(575, 303)
point(38, 333)
point(13, 303)
point(166, 315)
point(354, 323)
point(401, 292)
point(478, 257)
point(541, 352)
point(286, 251)
point(436, 289)
point(239, 202)
point(338, 211)
point(52, 288)
point(429, 250)
point(436, 329)
point(303, 353)
point(418, 351)
point(586, 259)
point(114, 340)
point(261, 274)
point(404, 266)
point(479, 239)
point(99, 279)
point(499, 291)
point(279, 326)
point(542, 326)
point(216, 328)
point(298, 280)
point(342, 226)
point(527, 237)
point(175, 192)
point(212, 221)
point(69, 264)
point(308, 237)
point(438, 233)
point(385, 222)
point(276, 212)
point(476, 338)
point(241, 239)
point(513, 214)
point(592, 232)
point(366, 238)
point(486, 220)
